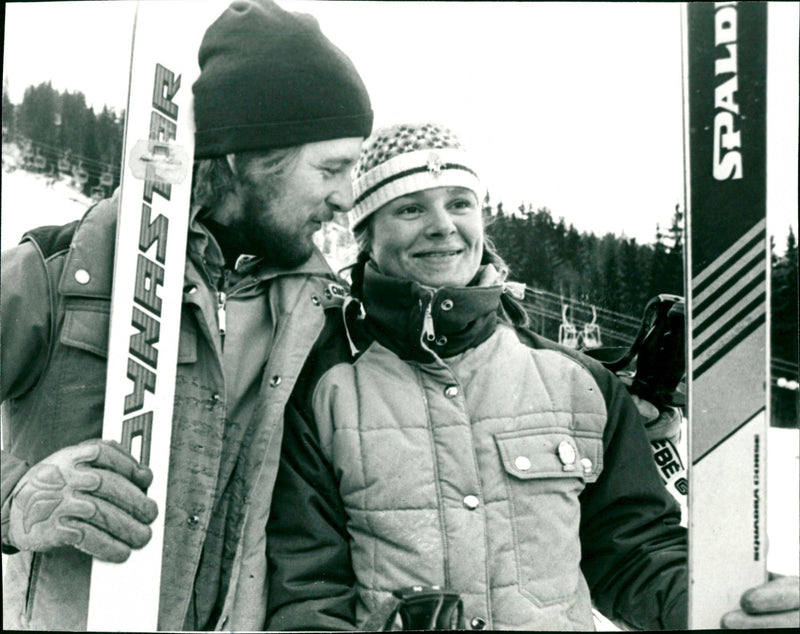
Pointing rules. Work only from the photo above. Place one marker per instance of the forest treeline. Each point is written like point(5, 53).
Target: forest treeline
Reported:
point(619, 274)
point(56, 129)
point(614, 273)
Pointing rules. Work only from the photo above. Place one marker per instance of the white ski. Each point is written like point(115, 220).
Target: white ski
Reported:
point(727, 269)
point(148, 284)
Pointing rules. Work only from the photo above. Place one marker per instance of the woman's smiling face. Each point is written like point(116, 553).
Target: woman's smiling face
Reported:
point(433, 236)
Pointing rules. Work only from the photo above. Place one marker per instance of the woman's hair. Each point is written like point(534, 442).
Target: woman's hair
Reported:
point(213, 178)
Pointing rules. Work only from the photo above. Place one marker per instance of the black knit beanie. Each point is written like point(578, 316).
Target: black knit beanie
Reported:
point(269, 78)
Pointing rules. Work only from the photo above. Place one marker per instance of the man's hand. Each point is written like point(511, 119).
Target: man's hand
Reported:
point(88, 496)
point(771, 605)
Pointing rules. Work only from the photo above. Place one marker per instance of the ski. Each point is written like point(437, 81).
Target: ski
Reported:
point(155, 192)
point(727, 285)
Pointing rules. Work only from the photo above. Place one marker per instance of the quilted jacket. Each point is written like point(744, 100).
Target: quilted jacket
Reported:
point(447, 447)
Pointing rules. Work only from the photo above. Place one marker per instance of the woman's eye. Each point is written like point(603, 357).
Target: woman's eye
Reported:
point(461, 204)
point(411, 210)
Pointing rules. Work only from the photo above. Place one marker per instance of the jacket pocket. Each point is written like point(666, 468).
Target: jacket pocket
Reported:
point(546, 470)
point(86, 326)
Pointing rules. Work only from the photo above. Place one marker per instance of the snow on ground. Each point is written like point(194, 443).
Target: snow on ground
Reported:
point(783, 500)
point(28, 202)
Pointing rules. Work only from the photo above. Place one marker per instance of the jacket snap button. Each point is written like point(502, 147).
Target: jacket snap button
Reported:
point(447, 304)
point(440, 341)
point(471, 502)
point(275, 381)
point(451, 391)
point(215, 398)
point(82, 276)
point(193, 520)
point(587, 465)
point(315, 300)
point(522, 463)
point(567, 455)
point(477, 623)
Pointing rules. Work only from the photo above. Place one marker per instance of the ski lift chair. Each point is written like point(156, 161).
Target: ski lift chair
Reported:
point(98, 193)
point(79, 175)
point(64, 164)
point(591, 333)
point(39, 162)
point(567, 333)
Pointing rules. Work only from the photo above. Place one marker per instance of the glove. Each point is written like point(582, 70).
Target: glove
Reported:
point(664, 432)
point(89, 496)
point(775, 604)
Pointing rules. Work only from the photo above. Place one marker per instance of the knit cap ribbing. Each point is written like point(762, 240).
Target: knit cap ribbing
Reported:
point(405, 158)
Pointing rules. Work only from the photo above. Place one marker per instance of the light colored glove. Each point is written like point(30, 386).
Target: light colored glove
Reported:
point(771, 605)
point(660, 425)
point(646, 409)
point(88, 496)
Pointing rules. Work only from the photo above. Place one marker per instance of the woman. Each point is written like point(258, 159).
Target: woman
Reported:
point(434, 440)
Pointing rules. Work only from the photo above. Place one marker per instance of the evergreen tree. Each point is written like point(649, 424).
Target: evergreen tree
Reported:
point(785, 303)
point(37, 115)
point(9, 114)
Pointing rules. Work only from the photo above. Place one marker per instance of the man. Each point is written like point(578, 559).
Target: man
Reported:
point(280, 115)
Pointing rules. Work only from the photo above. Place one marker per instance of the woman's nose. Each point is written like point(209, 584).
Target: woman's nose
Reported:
point(440, 221)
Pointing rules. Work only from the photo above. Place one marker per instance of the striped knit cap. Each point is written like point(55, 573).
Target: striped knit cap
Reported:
point(407, 158)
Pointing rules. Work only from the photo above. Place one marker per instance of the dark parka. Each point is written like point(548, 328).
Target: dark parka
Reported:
point(503, 467)
point(54, 346)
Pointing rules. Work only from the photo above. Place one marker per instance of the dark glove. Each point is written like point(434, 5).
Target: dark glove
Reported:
point(417, 608)
point(89, 496)
point(775, 604)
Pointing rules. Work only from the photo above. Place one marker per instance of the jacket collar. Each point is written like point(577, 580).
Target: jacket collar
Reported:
point(98, 227)
point(203, 250)
point(421, 323)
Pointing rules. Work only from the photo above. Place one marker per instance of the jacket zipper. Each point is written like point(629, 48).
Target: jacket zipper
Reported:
point(427, 323)
point(221, 298)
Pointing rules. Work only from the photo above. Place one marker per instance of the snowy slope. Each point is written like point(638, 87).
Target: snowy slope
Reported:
point(28, 202)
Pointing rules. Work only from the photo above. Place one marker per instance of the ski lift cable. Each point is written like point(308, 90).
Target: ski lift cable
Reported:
point(547, 295)
point(610, 332)
point(557, 298)
point(784, 365)
point(623, 323)
point(55, 152)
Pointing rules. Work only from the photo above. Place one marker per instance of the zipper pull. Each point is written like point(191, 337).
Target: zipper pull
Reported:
point(221, 313)
point(427, 323)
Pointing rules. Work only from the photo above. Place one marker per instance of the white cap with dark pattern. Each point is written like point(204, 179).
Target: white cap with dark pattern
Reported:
point(407, 158)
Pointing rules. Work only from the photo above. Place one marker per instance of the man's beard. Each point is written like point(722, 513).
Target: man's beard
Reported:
point(257, 232)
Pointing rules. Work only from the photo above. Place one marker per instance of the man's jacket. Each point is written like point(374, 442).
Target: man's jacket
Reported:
point(473, 456)
point(56, 290)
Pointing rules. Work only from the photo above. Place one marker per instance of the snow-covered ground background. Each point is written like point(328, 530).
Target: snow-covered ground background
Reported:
point(28, 201)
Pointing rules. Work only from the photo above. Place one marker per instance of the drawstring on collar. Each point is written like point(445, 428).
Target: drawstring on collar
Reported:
point(348, 301)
